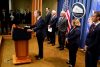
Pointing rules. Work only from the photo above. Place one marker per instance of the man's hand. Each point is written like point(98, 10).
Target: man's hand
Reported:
point(67, 40)
point(29, 30)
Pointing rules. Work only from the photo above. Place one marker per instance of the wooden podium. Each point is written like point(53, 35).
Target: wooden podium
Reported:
point(21, 37)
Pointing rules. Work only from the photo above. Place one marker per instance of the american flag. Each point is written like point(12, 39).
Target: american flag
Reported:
point(66, 9)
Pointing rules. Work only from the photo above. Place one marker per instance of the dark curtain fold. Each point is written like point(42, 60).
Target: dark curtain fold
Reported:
point(59, 6)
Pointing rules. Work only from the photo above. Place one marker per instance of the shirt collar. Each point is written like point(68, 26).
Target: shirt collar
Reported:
point(38, 17)
point(48, 12)
point(53, 16)
point(97, 23)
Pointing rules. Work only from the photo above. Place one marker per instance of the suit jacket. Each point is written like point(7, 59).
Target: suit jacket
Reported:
point(28, 18)
point(17, 18)
point(62, 24)
point(94, 41)
point(74, 36)
point(39, 27)
point(88, 38)
point(47, 18)
point(53, 22)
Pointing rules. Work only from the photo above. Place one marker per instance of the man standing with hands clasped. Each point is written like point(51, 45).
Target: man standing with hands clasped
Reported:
point(93, 42)
point(62, 27)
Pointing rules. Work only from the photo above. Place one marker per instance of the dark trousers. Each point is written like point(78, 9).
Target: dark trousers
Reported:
point(72, 53)
point(91, 59)
point(47, 34)
point(52, 37)
point(4, 27)
point(61, 39)
point(40, 40)
point(10, 24)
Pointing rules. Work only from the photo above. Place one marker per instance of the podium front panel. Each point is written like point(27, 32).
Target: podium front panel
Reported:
point(21, 48)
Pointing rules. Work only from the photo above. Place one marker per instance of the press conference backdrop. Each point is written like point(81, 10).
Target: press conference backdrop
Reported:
point(90, 5)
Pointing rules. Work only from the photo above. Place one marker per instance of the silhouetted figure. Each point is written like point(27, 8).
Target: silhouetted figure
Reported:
point(4, 21)
point(47, 20)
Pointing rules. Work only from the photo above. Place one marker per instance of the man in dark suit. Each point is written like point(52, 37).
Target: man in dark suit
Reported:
point(93, 42)
point(25, 17)
point(52, 26)
point(4, 24)
point(17, 17)
point(28, 17)
point(11, 17)
point(47, 19)
point(62, 27)
point(39, 28)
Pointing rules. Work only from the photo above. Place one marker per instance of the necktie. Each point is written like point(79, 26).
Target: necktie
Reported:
point(92, 27)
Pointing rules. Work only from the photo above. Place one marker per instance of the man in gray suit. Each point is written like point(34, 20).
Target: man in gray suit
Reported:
point(62, 27)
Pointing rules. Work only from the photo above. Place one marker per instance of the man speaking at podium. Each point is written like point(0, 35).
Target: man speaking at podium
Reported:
point(39, 28)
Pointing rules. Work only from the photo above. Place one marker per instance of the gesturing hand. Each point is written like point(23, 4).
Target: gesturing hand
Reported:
point(29, 30)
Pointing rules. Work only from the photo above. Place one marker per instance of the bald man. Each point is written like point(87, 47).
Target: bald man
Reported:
point(52, 25)
point(62, 27)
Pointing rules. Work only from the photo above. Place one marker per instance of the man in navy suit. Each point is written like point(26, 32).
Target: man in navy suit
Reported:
point(93, 42)
point(39, 28)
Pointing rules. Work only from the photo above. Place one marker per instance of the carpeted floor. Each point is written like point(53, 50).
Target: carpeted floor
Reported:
point(52, 56)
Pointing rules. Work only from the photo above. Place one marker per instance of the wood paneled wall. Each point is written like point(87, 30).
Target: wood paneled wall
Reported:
point(36, 5)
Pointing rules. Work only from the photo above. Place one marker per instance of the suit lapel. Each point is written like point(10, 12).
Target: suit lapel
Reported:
point(72, 30)
point(97, 26)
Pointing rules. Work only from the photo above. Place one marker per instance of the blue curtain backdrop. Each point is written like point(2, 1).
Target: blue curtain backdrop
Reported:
point(84, 23)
